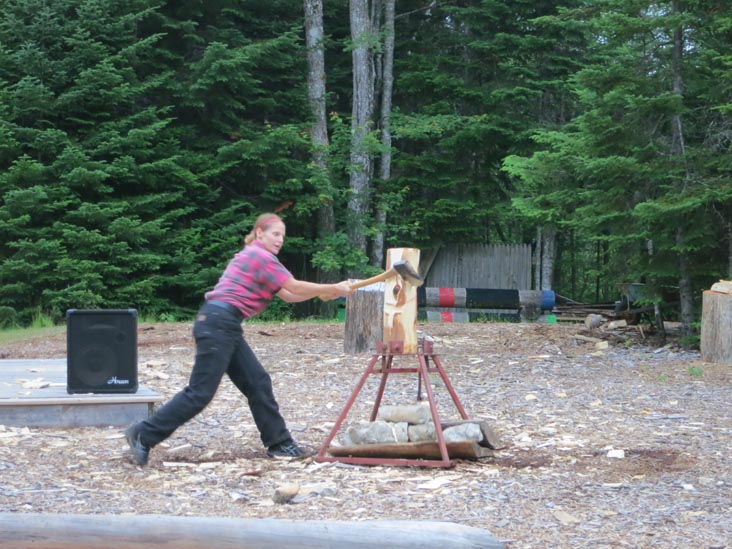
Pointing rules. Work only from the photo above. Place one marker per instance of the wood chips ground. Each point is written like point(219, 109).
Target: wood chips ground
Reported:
point(624, 446)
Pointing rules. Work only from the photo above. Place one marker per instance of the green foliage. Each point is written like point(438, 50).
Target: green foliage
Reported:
point(277, 311)
point(7, 318)
point(336, 252)
point(615, 173)
point(139, 141)
point(469, 80)
point(42, 320)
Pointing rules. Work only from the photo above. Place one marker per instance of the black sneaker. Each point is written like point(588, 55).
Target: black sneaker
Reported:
point(287, 450)
point(140, 450)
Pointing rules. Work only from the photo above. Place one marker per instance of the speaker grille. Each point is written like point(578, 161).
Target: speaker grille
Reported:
point(101, 351)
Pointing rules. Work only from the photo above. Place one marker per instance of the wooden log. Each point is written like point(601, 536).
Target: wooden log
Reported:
point(400, 303)
point(716, 324)
point(364, 320)
point(723, 286)
point(47, 531)
point(462, 449)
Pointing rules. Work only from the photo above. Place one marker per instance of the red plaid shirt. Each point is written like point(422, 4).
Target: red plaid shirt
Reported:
point(251, 279)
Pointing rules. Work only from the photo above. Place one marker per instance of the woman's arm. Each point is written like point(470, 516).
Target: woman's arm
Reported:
point(288, 296)
point(294, 290)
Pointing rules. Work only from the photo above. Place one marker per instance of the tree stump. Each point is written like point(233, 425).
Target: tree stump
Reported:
point(364, 319)
point(716, 325)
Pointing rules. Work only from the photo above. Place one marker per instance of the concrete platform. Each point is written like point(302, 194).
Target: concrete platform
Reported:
point(33, 394)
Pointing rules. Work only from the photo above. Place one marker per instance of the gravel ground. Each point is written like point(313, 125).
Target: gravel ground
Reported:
point(624, 446)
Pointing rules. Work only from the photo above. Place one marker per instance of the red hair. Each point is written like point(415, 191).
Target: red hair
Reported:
point(262, 222)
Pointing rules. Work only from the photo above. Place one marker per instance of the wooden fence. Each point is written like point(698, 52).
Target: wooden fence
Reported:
point(497, 266)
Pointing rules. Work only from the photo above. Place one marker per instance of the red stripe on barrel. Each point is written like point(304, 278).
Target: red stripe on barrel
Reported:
point(446, 316)
point(447, 297)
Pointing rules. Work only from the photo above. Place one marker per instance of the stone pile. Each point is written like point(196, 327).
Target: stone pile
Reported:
point(408, 423)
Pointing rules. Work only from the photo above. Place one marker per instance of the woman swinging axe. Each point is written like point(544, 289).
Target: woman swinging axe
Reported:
point(248, 284)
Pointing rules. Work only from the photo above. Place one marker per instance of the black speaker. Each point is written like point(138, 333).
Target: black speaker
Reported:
point(101, 351)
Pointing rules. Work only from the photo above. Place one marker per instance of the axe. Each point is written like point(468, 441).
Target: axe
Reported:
point(401, 268)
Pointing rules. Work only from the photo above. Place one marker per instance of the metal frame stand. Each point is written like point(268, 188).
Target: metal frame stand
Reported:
point(385, 356)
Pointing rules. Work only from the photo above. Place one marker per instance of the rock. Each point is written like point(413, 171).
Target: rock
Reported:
point(466, 431)
point(564, 517)
point(423, 432)
point(415, 414)
point(375, 432)
point(322, 489)
point(594, 321)
point(286, 492)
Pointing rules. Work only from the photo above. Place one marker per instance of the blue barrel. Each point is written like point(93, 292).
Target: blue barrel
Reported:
point(548, 300)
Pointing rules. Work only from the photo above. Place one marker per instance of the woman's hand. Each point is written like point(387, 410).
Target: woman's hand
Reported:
point(334, 291)
point(343, 289)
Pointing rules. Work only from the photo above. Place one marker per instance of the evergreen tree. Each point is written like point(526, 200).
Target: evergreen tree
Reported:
point(472, 80)
point(638, 161)
point(89, 170)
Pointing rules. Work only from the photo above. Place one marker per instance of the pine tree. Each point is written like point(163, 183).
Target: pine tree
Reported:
point(472, 80)
point(636, 158)
point(90, 181)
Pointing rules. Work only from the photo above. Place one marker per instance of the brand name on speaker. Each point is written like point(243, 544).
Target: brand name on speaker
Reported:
point(114, 381)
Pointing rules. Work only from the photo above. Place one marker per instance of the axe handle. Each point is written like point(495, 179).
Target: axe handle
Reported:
point(374, 279)
point(368, 281)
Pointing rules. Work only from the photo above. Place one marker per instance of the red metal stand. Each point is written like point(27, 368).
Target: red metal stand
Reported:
point(385, 356)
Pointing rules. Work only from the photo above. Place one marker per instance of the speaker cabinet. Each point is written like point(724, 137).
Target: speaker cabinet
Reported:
point(101, 351)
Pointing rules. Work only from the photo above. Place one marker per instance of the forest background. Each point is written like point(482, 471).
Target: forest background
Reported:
point(139, 139)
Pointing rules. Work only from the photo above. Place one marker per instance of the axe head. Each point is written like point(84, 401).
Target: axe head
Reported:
point(407, 272)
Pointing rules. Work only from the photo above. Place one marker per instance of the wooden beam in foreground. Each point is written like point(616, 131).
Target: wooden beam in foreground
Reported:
point(48, 531)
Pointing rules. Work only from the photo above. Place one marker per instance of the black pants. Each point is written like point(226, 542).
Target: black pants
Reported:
point(220, 348)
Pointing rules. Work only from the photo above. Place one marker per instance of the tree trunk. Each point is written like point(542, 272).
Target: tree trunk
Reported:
point(319, 132)
point(686, 292)
point(657, 312)
point(387, 87)
point(678, 149)
point(537, 258)
point(316, 81)
point(548, 257)
point(362, 114)
point(729, 250)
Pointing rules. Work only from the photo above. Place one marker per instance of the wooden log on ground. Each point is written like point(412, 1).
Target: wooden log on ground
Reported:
point(716, 325)
point(462, 449)
point(46, 531)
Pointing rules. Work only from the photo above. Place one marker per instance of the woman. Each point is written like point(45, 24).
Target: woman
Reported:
point(250, 281)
